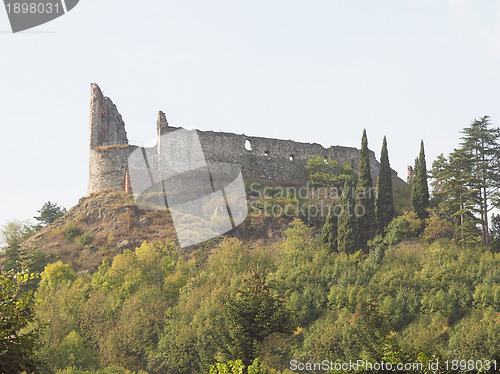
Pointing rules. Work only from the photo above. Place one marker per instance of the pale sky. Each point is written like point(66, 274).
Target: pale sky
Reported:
point(311, 71)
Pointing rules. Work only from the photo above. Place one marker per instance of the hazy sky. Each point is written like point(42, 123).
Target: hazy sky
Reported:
point(311, 71)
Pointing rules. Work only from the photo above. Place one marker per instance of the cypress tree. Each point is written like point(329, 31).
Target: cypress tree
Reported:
point(364, 197)
point(412, 185)
point(420, 188)
point(329, 232)
point(347, 228)
point(384, 202)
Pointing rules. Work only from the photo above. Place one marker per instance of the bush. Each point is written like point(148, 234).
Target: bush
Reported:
point(403, 227)
point(71, 231)
point(437, 228)
point(85, 239)
point(236, 367)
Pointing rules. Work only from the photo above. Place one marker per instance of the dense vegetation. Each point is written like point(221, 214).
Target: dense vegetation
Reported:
point(422, 286)
point(149, 310)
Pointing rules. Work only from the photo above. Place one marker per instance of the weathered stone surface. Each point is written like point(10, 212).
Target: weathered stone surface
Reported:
point(106, 124)
point(274, 159)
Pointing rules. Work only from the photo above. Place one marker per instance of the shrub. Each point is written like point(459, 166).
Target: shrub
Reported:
point(236, 367)
point(403, 227)
point(71, 231)
point(437, 228)
point(85, 239)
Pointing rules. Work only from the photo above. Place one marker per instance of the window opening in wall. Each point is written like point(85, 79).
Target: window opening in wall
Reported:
point(266, 153)
point(248, 145)
point(291, 157)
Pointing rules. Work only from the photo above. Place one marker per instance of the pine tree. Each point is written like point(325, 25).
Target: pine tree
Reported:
point(482, 145)
point(49, 213)
point(329, 232)
point(347, 228)
point(364, 197)
point(420, 188)
point(384, 202)
point(457, 199)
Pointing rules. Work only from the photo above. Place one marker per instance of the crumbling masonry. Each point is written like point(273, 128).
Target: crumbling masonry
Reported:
point(263, 158)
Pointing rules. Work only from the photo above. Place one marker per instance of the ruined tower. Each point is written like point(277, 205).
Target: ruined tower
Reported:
point(109, 148)
point(257, 157)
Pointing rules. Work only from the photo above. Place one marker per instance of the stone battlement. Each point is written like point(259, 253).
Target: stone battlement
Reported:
point(258, 157)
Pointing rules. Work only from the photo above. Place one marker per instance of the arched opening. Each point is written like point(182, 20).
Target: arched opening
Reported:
point(248, 145)
point(266, 153)
point(291, 157)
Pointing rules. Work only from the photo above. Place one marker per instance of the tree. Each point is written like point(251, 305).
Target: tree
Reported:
point(252, 314)
point(347, 228)
point(384, 202)
point(453, 190)
point(495, 233)
point(49, 213)
point(329, 232)
point(364, 197)
point(420, 188)
point(15, 232)
point(482, 146)
point(18, 342)
point(325, 172)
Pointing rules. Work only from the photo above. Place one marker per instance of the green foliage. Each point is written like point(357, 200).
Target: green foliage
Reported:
point(477, 335)
point(301, 276)
point(402, 197)
point(437, 228)
point(403, 227)
point(347, 232)
point(107, 370)
point(420, 188)
point(365, 218)
point(495, 233)
point(454, 196)
point(149, 310)
point(49, 213)
point(384, 202)
point(231, 367)
point(481, 144)
point(85, 239)
point(237, 367)
point(343, 335)
point(329, 231)
point(55, 274)
point(252, 314)
point(74, 351)
point(18, 337)
point(466, 185)
point(70, 231)
point(325, 172)
point(13, 233)
point(113, 316)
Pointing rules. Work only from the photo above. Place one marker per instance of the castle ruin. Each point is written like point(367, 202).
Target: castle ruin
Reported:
point(261, 158)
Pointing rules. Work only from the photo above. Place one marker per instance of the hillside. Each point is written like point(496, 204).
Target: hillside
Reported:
point(99, 227)
point(121, 297)
point(103, 224)
point(151, 310)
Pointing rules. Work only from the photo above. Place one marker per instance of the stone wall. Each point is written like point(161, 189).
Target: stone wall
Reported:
point(275, 159)
point(258, 157)
point(106, 124)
